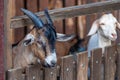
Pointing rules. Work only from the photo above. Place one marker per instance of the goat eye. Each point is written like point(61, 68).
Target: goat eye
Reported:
point(102, 24)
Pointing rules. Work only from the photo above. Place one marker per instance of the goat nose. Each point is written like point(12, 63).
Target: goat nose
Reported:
point(114, 35)
point(53, 62)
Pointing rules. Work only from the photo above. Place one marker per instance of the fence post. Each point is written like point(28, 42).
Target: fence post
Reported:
point(96, 65)
point(68, 68)
point(110, 66)
point(82, 66)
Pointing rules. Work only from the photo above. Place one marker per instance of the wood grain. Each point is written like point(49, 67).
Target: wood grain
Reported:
point(82, 66)
point(96, 65)
point(34, 72)
point(110, 66)
point(50, 73)
point(68, 12)
point(16, 74)
point(68, 68)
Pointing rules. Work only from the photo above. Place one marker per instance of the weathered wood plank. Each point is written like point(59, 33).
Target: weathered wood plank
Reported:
point(59, 23)
point(81, 22)
point(96, 65)
point(43, 4)
point(15, 74)
point(50, 73)
point(68, 12)
point(68, 68)
point(110, 66)
point(8, 13)
point(32, 5)
point(82, 66)
point(20, 31)
point(70, 23)
point(34, 73)
point(118, 62)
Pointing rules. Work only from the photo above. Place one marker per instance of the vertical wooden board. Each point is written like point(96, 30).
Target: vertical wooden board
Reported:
point(15, 74)
point(18, 33)
point(110, 66)
point(32, 5)
point(59, 23)
point(70, 23)
point(68, 68)
point(90, 18)
point(81, 23)
point(43, 4)
point(8, 13)
point(18, 5)
point(118, 63)
point(82, 66)
point(34, 73)
point(50, 73)
point(96, 65)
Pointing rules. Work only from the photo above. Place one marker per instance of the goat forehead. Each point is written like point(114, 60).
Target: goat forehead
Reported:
point(108, 19)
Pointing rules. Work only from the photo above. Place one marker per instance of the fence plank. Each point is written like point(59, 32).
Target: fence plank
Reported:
point(34, 72)
point(59, 23)
point(50, 73)
point(16, 74)
point(8, 9)
point(20, 31)
point(68, 12)
point(118, 62)
point(82, 66)
point(96, 65)
point(70, 23)
point(43, 4)
point(32, 5)
point(81, 22)
point(110, 66)
point(68, 68)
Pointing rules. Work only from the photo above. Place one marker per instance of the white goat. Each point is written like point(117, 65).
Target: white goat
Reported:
point(102, 32)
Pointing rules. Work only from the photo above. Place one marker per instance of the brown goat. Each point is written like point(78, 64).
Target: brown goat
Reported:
point(38, 45)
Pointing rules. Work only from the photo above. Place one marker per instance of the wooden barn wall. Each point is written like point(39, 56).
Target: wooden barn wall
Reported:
point(79, 25)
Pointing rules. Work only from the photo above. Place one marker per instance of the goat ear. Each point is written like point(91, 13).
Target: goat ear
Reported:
point(94, 28)
point(29, 39)
point(118, 25)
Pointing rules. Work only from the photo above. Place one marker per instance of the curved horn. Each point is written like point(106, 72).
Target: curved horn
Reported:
point(37, 21)
point(49, 20)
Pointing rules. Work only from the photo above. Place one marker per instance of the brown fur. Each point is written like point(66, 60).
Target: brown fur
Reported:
point(22, 53)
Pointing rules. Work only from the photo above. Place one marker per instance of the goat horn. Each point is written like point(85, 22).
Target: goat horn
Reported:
point(49, 20)
point(37, 21)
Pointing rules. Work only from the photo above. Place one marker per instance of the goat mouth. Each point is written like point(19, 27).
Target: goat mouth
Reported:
point(48, 65)
point(112, 39)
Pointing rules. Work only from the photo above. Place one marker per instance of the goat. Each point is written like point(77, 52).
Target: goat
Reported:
point(38, 45)
point(103, 32)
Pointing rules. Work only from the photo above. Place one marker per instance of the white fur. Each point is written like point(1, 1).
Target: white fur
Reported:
point(50, 58)
point(102, 32)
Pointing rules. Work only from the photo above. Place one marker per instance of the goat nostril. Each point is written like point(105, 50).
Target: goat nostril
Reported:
point(53, 62)
point(114, 35)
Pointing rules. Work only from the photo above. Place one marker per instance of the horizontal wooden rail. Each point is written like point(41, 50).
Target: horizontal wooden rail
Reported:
point(68, 12)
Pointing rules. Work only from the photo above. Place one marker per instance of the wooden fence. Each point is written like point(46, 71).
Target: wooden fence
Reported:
point(70, 68)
